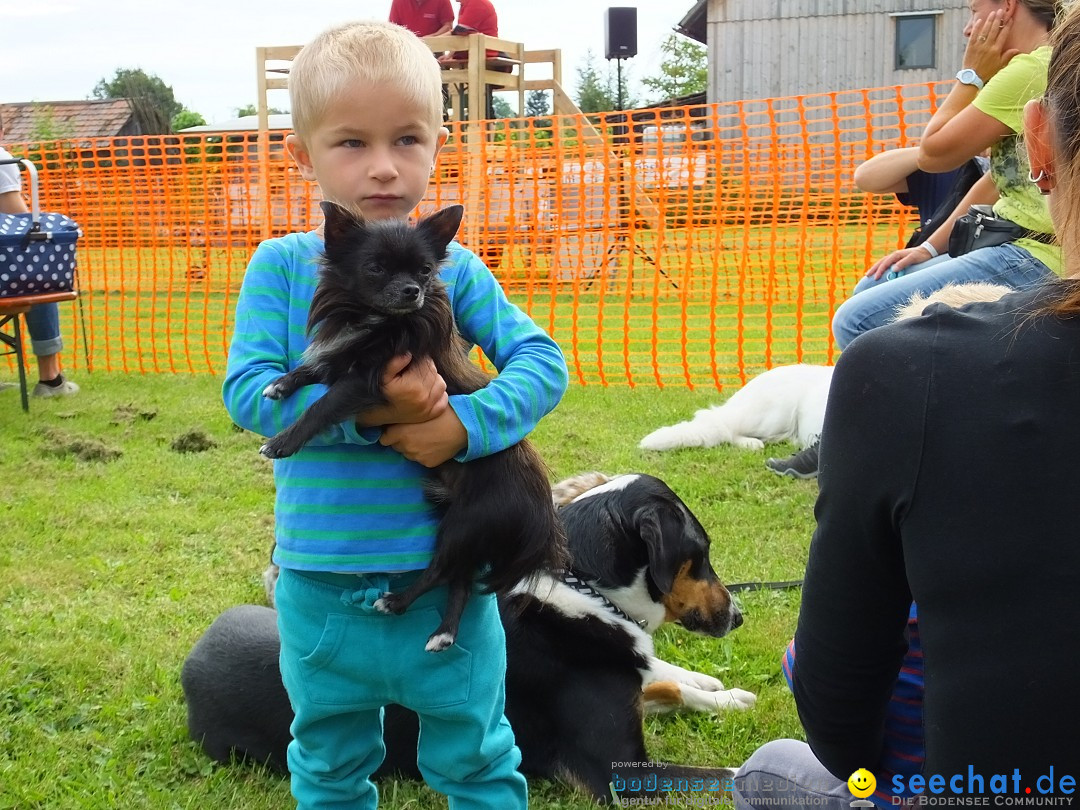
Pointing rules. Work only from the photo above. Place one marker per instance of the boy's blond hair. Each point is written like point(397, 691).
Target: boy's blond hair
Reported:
point(372, 52)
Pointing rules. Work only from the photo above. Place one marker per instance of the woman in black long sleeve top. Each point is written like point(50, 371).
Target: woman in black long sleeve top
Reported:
point(966, 499)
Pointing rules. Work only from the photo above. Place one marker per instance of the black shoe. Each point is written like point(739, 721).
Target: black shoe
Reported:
point(803, 464)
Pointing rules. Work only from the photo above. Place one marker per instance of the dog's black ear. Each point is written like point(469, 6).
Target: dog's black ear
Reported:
point(442, 225)
point(340, 224)
point(663, 564)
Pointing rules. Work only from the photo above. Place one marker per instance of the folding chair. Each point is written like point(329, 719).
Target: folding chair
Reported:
point(11, 307)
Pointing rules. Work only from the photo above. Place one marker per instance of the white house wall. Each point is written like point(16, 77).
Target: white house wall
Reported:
point(777, 48)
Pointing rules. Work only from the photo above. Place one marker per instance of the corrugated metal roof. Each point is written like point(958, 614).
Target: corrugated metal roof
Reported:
point(68, 120)
point(693, 23)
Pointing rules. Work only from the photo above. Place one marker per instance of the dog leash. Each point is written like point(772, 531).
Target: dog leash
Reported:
point(575, 581)
point(764, 586)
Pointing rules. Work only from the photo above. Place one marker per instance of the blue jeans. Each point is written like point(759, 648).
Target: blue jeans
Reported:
point(874, 302)
point(342, 661)
point(43, 324)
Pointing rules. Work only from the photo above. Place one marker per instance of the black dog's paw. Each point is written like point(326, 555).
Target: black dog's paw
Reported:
point(277, 448)
point(390, 603)
point(438, 642)
point(275, 390)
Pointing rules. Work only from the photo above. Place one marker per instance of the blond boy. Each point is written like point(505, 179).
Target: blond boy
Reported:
point(351, 518)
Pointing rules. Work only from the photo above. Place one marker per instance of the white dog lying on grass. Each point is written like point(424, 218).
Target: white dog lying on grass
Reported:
point(787, 403)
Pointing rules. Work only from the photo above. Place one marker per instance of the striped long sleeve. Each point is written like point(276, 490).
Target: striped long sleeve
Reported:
point(345, 502)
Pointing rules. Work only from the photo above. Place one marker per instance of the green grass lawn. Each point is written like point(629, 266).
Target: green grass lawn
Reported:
point(122, 540)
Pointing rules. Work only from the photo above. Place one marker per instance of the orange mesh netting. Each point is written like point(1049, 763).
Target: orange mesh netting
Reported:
point(678, 245)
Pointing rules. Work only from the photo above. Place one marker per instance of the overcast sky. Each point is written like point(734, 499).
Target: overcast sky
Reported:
point(205, 50)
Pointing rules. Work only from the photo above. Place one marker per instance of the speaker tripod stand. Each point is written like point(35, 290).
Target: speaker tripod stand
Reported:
point(620, 243)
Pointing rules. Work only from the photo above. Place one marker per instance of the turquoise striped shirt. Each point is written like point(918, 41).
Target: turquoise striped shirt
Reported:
point(345, 502)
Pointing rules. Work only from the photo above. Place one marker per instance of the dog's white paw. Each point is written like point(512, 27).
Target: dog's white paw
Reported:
point(748, 443)
point(273, 391)
point(706, 683)
point(737, 699)
point(439, 641)
point(383, 606)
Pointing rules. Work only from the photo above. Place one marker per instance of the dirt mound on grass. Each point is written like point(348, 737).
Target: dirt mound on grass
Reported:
point(126, 414)
point(59, 444)
point(194, 441)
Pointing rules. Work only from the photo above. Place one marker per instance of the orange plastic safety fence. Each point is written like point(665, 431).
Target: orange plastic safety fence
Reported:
point(677, 245)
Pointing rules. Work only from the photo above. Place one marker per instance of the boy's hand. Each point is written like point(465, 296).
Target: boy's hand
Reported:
point(415, 392)
point(429, 443)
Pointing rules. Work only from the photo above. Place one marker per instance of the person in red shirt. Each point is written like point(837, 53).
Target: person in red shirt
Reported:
point(425, 18)
point(478, 15)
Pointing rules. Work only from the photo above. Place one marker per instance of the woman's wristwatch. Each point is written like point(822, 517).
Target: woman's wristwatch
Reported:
point(969, 76)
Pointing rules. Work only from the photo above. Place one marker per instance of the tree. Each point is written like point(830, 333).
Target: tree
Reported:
point(251, 109)
point(537, 104)
point(186, 118)
point(46, 133)
point(44, 127)
point(152, 100)
point(502, 109)
point(593, 91)
point(597, 92)
point(683, 70)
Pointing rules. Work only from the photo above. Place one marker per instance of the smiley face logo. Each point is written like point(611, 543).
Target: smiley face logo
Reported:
point(861, 783)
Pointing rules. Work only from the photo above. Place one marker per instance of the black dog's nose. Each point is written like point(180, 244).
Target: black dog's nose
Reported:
point(410, 292)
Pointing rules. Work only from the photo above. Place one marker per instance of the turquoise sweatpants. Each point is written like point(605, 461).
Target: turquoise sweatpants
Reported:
point(342, 661)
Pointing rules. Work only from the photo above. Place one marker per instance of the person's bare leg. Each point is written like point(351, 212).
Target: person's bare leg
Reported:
point(48, 367)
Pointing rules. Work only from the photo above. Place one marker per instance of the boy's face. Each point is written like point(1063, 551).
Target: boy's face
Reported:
point(373, 150)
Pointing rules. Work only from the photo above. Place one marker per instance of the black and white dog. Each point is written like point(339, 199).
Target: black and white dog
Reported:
point(581, 669)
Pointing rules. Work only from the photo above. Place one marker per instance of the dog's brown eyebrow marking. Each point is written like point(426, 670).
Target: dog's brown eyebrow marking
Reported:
point(666, 693)
point(688, 593)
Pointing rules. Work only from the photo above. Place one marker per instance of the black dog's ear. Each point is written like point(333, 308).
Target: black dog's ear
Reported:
point(662, 562)
point(340, 223)
point(442, 225)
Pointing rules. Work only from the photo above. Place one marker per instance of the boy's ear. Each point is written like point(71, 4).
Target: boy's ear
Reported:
point(301, 156)
point(443, 225)
point(339, 223)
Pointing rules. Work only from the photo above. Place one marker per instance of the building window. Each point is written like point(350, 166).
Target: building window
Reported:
point(915, 41)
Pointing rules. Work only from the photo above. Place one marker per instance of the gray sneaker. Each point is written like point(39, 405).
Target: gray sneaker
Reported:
point(64, 389)
point(803, 464)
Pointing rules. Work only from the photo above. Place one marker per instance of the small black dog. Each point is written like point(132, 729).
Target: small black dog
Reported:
point(379, 296)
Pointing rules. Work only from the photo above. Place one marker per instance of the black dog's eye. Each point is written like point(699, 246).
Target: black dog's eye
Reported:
point(375, 269)
point(427, 269)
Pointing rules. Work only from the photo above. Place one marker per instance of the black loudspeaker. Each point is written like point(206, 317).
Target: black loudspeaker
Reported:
point(620, 33)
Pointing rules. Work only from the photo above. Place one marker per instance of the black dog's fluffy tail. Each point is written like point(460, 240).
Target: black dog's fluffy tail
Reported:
point(498, 522)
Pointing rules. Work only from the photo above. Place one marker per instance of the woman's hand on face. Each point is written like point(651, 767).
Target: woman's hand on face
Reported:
point(986, 53)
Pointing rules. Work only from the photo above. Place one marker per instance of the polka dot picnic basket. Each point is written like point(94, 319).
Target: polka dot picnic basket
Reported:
point(37, 250)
